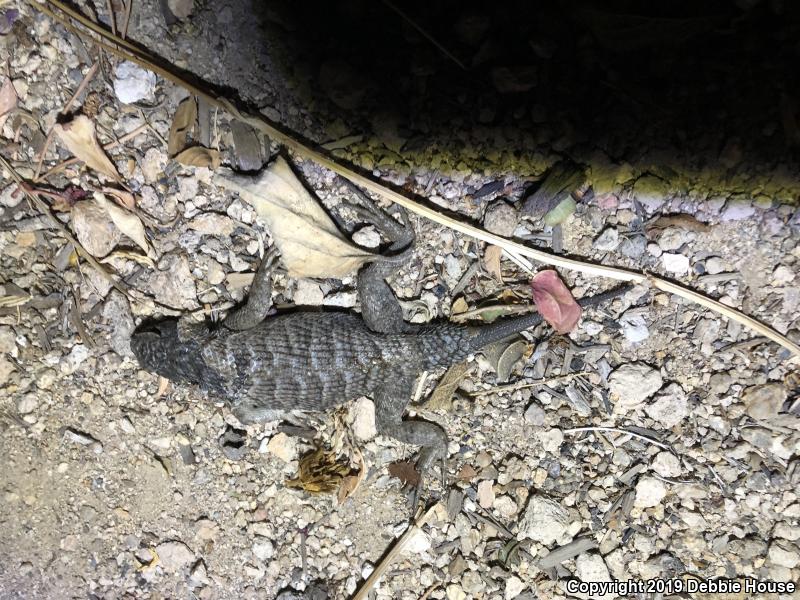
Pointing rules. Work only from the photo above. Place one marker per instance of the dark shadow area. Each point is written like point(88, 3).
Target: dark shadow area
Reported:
point(683, 78)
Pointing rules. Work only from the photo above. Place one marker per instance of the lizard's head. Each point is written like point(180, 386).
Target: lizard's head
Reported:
point(154, 344)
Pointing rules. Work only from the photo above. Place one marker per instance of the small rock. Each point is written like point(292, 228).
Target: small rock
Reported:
point(234, 443)
point(666, 464)
point(670, 406)
point(173, 284)
point(649, 492)
point(74, 359)
point(263, 550)
point(117, 312)
point(764, 401)
point(714, 265)
point(651, 192)
point(367, 237)
point(632, 384)
point(608, 240)
point(27, 404)
point(307, 293)
point(454, 592)
point(505, 506)
point(174, 556)
point(590, 567)
point(6, 368)
point(535, 415)
point(8, 341)
point(199, 576)
point(514, 587)
point(544, 521)
point(486, 494)
point(452, 266)
point(341, 299)
point(283, 446)
point(362, 419)
point(212, 224)
point(133, 83)
point(153, 165)
point(633, 246)
point(782, 275)
point(94, 228)
point(675, 263)
point(672, 238)
point(634, 327)
point(181, 8)
point(418, 543)
point(779, 555)
point(501, 218)
point(737, 209)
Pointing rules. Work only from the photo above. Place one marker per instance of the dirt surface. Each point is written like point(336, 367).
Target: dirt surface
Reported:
point(115, 486)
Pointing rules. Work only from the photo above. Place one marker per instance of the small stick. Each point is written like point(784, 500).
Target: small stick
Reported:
point(390, 556)
point(127, 19)
point(512, 310)
point(112, 17)
point(521, 385)
point(639, 436)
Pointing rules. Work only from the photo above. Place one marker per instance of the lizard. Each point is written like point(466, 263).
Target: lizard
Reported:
point(268, 366)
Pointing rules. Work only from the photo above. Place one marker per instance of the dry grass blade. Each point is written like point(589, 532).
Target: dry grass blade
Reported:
point(80, 138)
point(515, 251)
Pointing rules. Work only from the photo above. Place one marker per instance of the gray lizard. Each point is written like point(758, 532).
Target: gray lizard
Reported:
point(312, 361)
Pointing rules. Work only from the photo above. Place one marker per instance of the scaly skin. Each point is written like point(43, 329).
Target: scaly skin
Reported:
point(313, 361)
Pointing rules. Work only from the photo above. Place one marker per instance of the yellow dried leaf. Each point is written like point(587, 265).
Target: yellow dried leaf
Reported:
point(80, 138)
point(134, 256)
point(350, 483)
point(125, 198)
point(199, 156)
point(310, 243)
point(182, 124)
point(127, 222)
point(442, 397)
point(459, 306)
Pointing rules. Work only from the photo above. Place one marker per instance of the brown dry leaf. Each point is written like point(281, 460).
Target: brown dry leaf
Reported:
point(467, 473)
point(8, 101)
point(682, 221)
point(406, 472)
point(127, 222)
point(491, 260)
point(319, 472)
point(350, 483)
point(182, 124)
point(199, 156)
point(80, 138)
point(310, 243)
point(442, 396)
point(125, 198)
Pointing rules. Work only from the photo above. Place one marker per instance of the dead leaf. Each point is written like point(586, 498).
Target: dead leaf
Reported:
point(491, 260)
point(554, 301)
point(467, 473)
point(163, 386)
point(13, 295)
point(182, 124)
point(350, 483)
point(142, 259)
point(682, 221)
point(459, 306)
point(442, 396)
point(319, 472)
point(310, 243)
point(199, 156)
point(127, 222)
point(508, 358)
point(80, 138)
point(406, 472)
point(8, 101)
point(124, 197)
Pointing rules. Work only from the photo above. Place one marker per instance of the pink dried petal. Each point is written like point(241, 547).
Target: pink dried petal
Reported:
point(554, 301)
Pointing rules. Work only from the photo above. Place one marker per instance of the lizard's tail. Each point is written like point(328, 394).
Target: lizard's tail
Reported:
point(507, 327)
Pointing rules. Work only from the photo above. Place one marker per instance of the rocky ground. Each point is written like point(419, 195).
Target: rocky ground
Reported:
point(115, 486)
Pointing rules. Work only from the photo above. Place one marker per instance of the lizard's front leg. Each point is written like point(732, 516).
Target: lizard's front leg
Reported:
point(379, 306)
point(259, 299)
point(390, 404)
